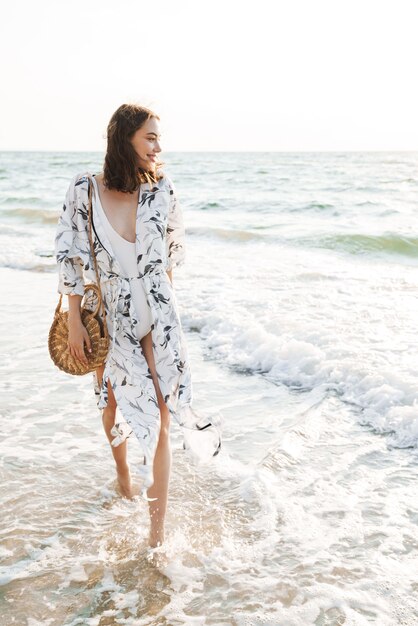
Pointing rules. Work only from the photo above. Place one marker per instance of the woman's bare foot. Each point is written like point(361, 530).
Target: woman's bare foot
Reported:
point(124, 480)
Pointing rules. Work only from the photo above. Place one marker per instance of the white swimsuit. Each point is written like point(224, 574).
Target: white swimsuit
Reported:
point(126, 256)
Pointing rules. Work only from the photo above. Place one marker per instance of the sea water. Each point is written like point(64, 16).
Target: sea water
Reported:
point(299, 304)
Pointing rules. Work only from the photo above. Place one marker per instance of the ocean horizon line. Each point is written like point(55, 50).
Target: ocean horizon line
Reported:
point(368, 151)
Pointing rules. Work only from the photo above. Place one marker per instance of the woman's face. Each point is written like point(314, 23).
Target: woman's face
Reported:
point(146, 144)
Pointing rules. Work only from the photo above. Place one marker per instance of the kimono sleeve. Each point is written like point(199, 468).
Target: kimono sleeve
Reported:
point(175, 233)
point(70, 265)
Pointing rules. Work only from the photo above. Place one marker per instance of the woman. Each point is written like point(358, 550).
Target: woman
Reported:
point(138, 238)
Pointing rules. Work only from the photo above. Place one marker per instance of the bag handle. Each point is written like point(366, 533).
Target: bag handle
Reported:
point(90, 286)
point(90, 218)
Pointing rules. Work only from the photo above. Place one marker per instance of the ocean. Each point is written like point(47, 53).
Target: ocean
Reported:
point(299, 303)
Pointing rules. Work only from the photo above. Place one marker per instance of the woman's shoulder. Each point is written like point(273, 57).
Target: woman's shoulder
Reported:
point(79, 182)
point(167, 181)
point(161, 176)
point(82, 178)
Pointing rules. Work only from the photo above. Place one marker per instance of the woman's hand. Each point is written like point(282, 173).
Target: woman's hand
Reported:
point(77, 338)
point(77, 332)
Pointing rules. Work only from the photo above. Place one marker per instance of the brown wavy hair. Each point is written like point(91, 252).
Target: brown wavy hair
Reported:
point(121, 170)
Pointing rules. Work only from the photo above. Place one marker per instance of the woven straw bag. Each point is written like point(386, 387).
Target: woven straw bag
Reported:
point(96, 326)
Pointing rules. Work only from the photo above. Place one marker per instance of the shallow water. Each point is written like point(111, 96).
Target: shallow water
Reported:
point(309, 514)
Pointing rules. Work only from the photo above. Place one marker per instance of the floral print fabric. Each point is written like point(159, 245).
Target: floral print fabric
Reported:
point(160, 246)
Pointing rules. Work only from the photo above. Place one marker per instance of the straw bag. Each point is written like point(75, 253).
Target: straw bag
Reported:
point(96, 326)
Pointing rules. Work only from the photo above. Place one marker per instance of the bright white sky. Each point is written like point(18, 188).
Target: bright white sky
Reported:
point(221, 74)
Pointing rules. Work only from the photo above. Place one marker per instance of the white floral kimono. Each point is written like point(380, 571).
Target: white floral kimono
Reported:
point(160, 246)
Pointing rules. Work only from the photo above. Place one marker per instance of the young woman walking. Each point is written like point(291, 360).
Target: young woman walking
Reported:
point(138, 238)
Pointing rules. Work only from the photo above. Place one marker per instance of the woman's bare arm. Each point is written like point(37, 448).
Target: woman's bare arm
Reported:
point(74, 305)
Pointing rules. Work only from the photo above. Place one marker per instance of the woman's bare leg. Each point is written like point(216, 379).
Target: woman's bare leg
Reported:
point(162, 459)
point(119, 452)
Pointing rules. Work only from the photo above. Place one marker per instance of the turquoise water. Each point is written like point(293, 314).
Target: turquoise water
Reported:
point(299, 300)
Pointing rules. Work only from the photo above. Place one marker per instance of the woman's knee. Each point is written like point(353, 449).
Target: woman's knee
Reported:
point(165, 420)
point(109, 411)
point(111, 400)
